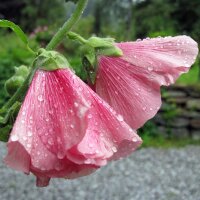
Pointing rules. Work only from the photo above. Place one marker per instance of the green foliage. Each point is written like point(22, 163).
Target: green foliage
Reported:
point(41, 13)
point(192, 77)
point(13, 53)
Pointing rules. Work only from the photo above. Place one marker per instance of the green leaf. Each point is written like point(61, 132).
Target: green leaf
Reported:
point(5, 132)
point(18, 31)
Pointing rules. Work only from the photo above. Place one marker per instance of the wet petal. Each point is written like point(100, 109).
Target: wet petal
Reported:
point(131, 83)
point(58, 120)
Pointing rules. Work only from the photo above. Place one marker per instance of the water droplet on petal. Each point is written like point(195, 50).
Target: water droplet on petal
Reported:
point(114, 149)
point(151, 109)
point(60, 155)
point(150, 68)
point(24, 138)
point(40, 98)
point(120, 118)
point(50, 141)
point(144, 108)
point(88, 161)
point(72, 125)
point(89, 116)
point(14, 138)
point(76, 104)
point(29, 133)
point(47, 119)
point(116, 92)
point(134, 139)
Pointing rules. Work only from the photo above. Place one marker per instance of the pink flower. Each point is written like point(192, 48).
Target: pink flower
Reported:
point(64, 130)
point(131, 83)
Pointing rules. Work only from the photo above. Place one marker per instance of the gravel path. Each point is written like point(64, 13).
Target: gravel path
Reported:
point(149, 174)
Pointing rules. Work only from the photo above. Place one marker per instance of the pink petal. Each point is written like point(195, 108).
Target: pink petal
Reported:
point(131, 83)
point(59, 118)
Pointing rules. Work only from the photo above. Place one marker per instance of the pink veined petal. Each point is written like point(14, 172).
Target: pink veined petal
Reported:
point(131, 83)
point(59, 119)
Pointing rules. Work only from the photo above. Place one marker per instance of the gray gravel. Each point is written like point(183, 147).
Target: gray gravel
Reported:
point(149, 174)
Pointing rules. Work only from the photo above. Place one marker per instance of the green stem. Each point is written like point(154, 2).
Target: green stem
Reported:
point(58, 37)
point(18, 96)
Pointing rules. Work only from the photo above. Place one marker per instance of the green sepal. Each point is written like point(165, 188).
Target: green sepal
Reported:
point(89, 69)
point(97, 42)
point(101, 46)
point(110, 51)
point(51, 60)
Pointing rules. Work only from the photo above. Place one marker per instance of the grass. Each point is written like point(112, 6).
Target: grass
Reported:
point(161, 142)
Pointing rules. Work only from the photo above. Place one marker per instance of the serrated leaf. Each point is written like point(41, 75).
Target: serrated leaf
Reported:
point(18, 31)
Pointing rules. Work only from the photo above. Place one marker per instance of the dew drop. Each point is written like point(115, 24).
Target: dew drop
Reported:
point(29, 133)
point(89, 116)
point(151, 109)
point(50, 141)
point(76, 104)
point(97, 152)
point(144, 108)
point(134, 139)
point(47, 119)
point(87, 162)
point(116, 92)
point(60, 155)
point(14, 138)
point(72, 126)
point(120, 118)
point(40, 98)
point(51, 112)
point(150, 68)
point(28, 145)
point(24, 138)
point(114, 149)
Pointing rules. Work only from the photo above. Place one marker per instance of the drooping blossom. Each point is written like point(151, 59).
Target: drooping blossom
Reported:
point(64, 130)
point(131, 83)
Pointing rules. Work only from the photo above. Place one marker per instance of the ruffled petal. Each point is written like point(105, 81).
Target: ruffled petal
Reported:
point(131, 83)
point(61, 117)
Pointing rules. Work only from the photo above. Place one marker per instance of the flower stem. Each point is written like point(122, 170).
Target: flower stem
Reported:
point(67, 26)
point(19, 95)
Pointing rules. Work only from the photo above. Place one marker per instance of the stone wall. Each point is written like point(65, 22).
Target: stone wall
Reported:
point(179, 115)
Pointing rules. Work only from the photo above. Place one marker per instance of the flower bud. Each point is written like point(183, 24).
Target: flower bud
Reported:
point(12, 84)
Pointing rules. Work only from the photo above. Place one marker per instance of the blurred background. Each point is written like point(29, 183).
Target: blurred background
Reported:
point(178, 122)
